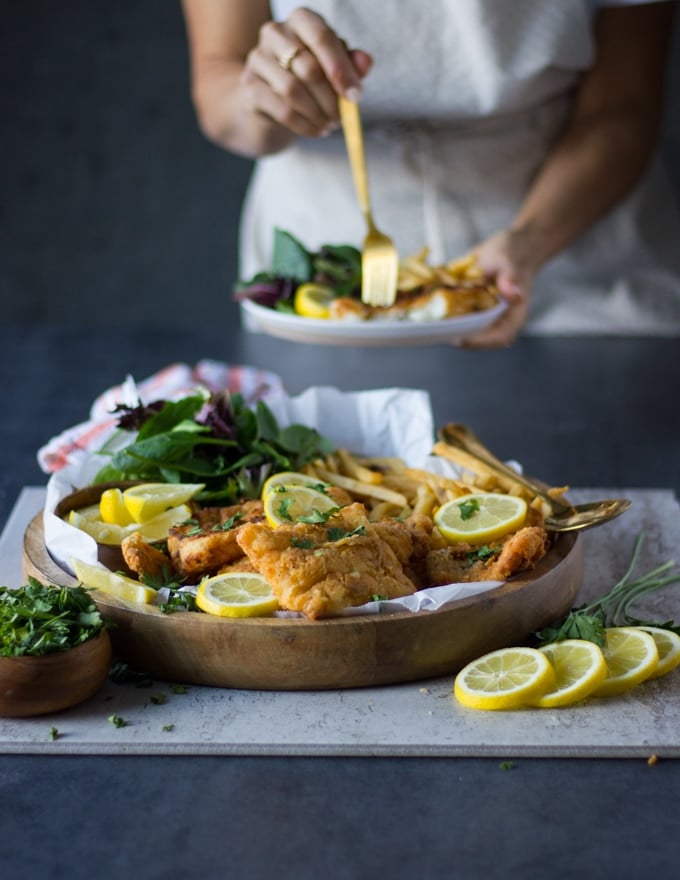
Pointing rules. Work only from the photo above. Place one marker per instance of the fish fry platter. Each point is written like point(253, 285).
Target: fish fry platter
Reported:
point(328, 635)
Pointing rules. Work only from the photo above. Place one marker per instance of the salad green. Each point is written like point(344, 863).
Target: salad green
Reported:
point(215, 440)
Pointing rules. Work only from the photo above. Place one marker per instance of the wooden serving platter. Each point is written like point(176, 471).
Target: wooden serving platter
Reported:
point(354, 651)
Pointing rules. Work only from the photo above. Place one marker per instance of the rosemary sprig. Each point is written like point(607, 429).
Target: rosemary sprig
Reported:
point(590, 621)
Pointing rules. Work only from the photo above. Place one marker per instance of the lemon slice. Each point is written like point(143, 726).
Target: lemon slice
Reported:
point(290, 478)
point(149, 499)
point(112, 508)
point(668, 646)
point(157, 528)
point(103, 533)
point(109, 582)
point(631, 656)
point(480, 517)
point(291, 504)
point(313, 300)
point(90, 513)
point(580, 668)
point(504, 679)
point(236, 594)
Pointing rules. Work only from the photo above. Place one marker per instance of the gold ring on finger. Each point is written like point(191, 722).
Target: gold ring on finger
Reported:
point(285, 59)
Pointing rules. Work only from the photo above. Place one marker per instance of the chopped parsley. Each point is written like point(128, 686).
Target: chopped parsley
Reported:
point(468, 508)
point(38, 619)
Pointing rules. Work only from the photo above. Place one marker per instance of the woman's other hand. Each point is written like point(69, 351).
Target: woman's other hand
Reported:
point(505, 259)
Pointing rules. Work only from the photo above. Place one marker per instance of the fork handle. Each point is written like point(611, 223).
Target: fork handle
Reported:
point(354, 140)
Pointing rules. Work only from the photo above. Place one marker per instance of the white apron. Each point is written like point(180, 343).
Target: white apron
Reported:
point(464, 100)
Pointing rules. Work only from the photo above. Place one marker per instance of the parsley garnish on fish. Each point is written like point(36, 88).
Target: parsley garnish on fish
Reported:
point(590, 621)
point(317, 516)
point(301, 543)
point(335, 533)
point(468, 508)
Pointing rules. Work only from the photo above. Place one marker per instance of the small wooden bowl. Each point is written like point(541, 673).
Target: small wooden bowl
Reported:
point(40, 685)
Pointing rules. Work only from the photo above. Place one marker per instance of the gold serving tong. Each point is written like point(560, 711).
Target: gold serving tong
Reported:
point(461, 445)
point(379, 257)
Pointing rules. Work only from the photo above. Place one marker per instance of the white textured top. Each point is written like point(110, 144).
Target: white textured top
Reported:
point(463, 102)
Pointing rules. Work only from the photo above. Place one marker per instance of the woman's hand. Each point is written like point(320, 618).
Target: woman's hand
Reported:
point(259, 84)
point(296, 72)
point(506, 260)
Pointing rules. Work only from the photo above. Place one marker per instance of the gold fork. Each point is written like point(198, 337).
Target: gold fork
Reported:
point(379, 257)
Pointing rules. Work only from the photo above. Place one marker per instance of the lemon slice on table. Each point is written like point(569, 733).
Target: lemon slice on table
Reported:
point(100, 578)
point(291, 478)
point(236, 594)
point(668, 646)
point(149, 499)
point(580, 668)
point(112, 508)
point(290, 504)
point(313, 300)
point(480, 517)
point(631, 656)
point(504, 679)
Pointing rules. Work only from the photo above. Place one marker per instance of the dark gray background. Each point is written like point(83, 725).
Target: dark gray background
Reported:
point(114, 207)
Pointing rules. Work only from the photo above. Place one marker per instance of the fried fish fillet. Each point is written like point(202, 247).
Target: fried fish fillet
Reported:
point(143, 559)
point(431, 303)
point(520, 551)
point(208, 541)
point(321, 569)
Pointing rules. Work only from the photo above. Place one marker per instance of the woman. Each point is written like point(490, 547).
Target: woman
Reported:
point(524, 130)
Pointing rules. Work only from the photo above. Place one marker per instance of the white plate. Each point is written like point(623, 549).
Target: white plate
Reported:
point(326, 332)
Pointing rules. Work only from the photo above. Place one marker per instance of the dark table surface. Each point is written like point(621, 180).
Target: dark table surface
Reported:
point(585, 412)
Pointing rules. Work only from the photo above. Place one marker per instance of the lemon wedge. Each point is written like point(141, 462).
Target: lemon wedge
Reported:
point(149, 499)
point(103, 533)
point(480, 517)
point(504, 679)
point(90, 513)
point(292, 478)
point(313, 300)
point(112, 508)
point(236, 594)
point(286, 505)
point(157, 528)
point(580, 668)
point(631, 656)
point(100, 578)
point(668, 646)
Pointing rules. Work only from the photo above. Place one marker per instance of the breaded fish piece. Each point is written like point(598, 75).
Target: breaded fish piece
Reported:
point(321, 569)
point(520, 551)
point(143, 559)
point(208, 541)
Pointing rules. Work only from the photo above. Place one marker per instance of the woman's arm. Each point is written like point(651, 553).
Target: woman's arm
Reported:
point(604, 149)
point(248, 98)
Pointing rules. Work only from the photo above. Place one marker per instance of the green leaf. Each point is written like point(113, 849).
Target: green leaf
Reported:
point(290, 259)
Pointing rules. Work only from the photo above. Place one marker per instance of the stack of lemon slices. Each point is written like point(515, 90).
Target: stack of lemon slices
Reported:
point(566, 672)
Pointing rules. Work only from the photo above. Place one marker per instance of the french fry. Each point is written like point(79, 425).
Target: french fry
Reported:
point(356, 487)
point(350, 466)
